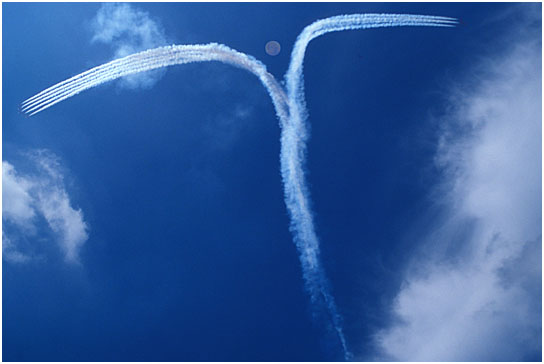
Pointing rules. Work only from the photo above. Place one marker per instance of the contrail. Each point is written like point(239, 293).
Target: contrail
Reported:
point(152, 59)
point(290, 109)
point(293, 148)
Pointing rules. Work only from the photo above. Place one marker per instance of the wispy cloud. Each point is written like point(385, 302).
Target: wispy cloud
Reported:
point(10, 252)
point(16, 205)
point(477, 294)
point(28, 198)
point(128, 30)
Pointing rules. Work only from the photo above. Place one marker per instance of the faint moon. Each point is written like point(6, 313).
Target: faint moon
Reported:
point(272, 48)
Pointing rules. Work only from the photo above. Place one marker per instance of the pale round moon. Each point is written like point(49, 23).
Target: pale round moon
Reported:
point(272, 48)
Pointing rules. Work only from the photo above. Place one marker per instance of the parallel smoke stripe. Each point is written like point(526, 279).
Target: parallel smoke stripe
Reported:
point(153, 59)
point(82, 77)
point(293, 147)
point(290, 108)
point(78, 78)
point(65, 88)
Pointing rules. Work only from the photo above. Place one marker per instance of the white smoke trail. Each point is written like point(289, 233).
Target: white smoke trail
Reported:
point(293, 147)
point(290, 109)
point(153, 59)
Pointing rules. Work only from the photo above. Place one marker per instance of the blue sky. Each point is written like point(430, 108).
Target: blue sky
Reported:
point(144, 219)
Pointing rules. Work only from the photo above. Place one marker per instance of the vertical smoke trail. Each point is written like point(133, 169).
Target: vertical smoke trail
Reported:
point(290, 109)
point(293, 148)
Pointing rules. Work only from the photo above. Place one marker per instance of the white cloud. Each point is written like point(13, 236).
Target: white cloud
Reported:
point(10, 251)
point(16, 201)
point(34, 196)
point(478, 298)
point(128, 31)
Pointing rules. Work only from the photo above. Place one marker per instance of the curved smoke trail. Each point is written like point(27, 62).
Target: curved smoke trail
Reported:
point(290, 108)
point(293, 148)
point(153, 59)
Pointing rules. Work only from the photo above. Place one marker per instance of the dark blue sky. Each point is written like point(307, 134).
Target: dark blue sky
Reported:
point(189, 256)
